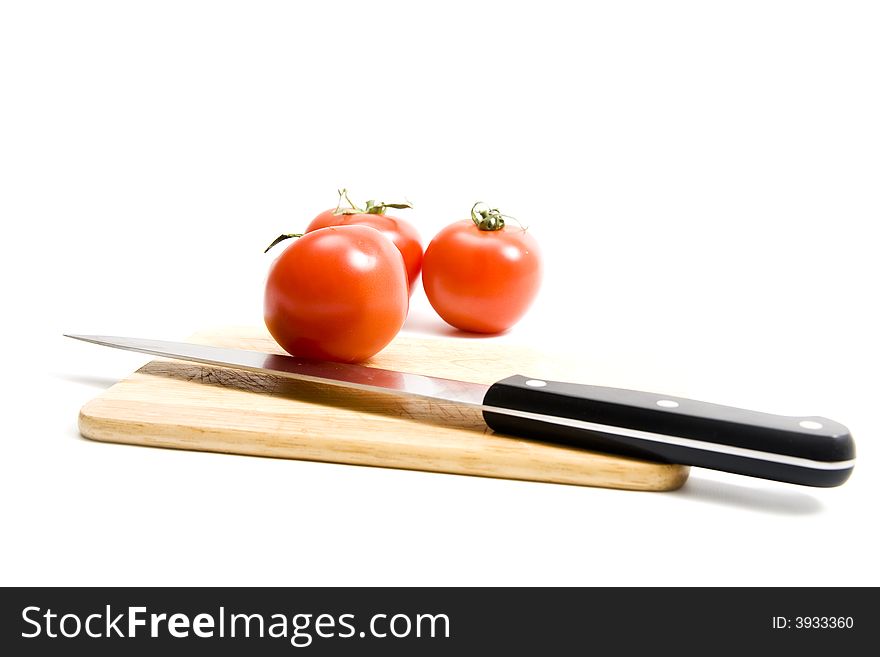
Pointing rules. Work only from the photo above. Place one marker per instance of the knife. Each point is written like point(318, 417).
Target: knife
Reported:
point(811, 451)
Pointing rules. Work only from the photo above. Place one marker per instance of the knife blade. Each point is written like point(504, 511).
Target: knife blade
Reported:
point(811, 451)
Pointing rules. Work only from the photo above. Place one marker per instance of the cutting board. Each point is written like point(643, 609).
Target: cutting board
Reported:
point(187, 406)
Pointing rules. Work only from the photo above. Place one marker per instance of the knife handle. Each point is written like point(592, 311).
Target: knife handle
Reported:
point(812, 451)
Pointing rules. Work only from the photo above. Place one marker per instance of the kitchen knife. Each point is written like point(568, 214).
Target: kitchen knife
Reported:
point(812, 451)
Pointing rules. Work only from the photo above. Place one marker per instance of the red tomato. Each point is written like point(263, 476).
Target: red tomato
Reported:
point(399, 231)
point(481, 275)
point(337, 293)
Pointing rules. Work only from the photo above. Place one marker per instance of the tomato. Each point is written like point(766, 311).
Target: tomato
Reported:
point(401, 232)
point(337, 293)
point(481, 275)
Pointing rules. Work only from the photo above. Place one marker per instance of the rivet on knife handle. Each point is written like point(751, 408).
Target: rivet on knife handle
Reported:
point(812, 451)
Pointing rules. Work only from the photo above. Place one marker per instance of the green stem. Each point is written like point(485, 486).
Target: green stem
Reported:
point(281, 238)
point(486, 218)
point(341, 193)
point(375, 208)
point(372, 207)
point(350, 203)
point(351, 209)
point(490, 219)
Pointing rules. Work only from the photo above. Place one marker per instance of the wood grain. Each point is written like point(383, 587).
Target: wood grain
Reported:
point(187, 406)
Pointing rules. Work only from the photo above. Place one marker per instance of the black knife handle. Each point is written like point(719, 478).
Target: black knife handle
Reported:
point(812, 451)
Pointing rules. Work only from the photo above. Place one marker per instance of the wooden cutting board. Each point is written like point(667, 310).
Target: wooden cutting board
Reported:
point(187, 406)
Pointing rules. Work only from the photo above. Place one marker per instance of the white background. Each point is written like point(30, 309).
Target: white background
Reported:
point(703, 178)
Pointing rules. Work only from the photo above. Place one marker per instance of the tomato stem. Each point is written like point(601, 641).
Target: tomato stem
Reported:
point(486, 218)
point(281, 238)
point(343, 194)
point(372, 207)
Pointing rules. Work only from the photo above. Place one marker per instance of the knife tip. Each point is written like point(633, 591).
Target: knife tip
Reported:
point(77, 337)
